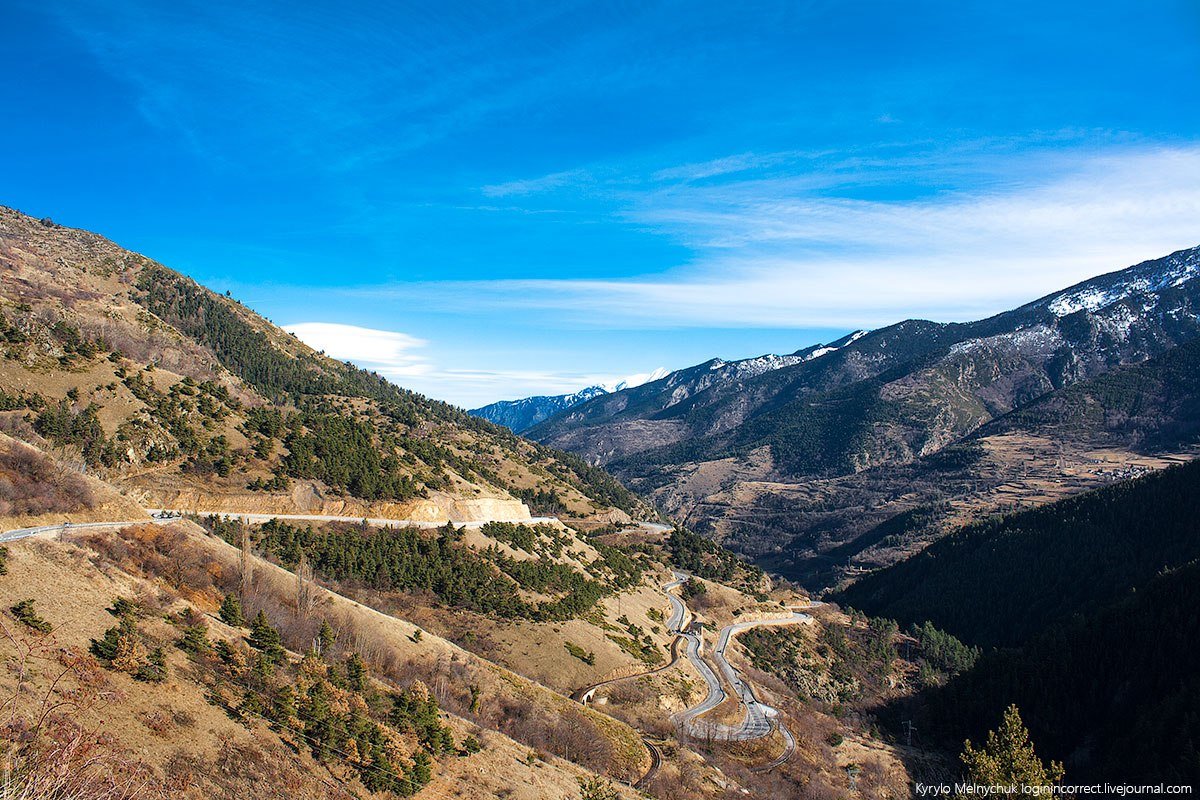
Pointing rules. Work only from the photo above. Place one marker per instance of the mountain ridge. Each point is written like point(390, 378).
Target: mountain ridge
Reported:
point(521, 414)
point(730, 456)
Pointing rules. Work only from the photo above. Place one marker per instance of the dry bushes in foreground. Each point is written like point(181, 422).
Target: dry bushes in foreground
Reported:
point(156, 551)
point(31, 483)
point(45, 750)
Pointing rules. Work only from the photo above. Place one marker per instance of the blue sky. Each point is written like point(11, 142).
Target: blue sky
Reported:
point(489, 200)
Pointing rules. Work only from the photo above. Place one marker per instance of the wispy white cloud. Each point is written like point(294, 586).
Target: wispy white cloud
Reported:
point(773, 252)
point(400, 357)
point(726, 165)
point(555, 180)
point(388, 352)
point(472, 388)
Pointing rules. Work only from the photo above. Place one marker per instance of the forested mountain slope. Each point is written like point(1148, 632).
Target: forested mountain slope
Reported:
point(1151, 405)
point(188, 399)
point(1000, 582)
point(1086, 613)
point(1115, 694)
point(520, 415)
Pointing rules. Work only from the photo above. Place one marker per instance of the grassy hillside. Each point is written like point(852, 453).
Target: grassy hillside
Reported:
point(188, 398)
point(145, 690)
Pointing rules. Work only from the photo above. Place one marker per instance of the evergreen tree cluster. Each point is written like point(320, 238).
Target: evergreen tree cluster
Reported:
point(390, 739)
point(1115, 693)
point(411, 559)
point(1085, 611)
point(693, 553)
point(66, 427)
point(125, 648)
point(941, 654)
point(538, 539)
point(346, 454)
point(26, 614)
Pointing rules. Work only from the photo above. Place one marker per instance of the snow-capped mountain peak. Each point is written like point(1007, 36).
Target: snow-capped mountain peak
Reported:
point(637, 379)
point(520, 415)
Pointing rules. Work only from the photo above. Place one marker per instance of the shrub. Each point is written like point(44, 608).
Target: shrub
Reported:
point(155, 668)
point(195, 639)
point(25, 612)
point(30, 483)
point(597, 789)
point(265, 638)
point(123, 607)
point(577, 651)
point(123, 648)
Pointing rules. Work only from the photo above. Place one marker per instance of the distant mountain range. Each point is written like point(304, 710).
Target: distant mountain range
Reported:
point(799, 460)
point(520, 415)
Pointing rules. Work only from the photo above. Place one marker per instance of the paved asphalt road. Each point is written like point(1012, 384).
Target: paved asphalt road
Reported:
point(378, 521)
point(24, 533)
point(760, 718)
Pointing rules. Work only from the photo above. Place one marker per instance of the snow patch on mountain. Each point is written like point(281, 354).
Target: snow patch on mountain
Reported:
point(1103, 291)
point(634, 380)
point(521, 415)
point(751, 367)
point(1041, 339)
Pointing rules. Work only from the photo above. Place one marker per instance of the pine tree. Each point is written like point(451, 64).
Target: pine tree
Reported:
point(123, 607)
point(325, 637)
point(597, 789)
point(265, 638)
point(1008, 757)
point(131, 654)
point(421, 771)
point(231, 611)
point(283, 707)
point(155, 668)
point(107, 647)
point(195, 639)
point(356, 673)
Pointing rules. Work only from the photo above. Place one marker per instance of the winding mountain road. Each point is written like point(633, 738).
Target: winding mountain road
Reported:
point(760, 718)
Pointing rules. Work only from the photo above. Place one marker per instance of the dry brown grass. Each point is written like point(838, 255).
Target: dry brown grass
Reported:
point(201, 569)
point(193, 748)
